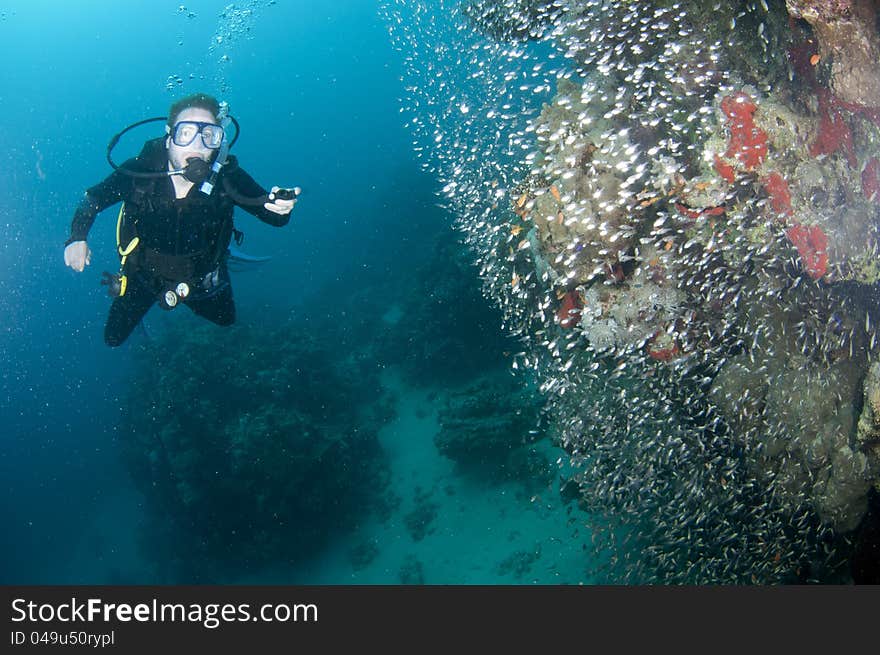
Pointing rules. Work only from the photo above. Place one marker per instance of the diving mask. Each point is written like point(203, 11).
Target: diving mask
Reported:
point(185, 132)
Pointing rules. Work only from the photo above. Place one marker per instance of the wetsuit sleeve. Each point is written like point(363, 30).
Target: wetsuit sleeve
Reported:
point(245, 186)
point(96, 200)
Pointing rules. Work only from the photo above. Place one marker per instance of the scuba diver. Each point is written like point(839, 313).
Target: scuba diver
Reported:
point(175, 225)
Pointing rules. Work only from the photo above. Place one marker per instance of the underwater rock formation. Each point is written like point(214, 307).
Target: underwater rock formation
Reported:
point(848, 40)
point(681, 226)
point(488, 429)
point(868, 429)
point(687, 241)
point(411, 572)
point(519, 563)
point(250, 448)
point(444, 331)
point(419, 521)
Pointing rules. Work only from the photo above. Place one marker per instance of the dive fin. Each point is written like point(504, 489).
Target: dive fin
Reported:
point(240, 261)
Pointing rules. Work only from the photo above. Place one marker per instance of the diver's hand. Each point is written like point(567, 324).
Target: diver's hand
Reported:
point(281, 206)
point(78, 255)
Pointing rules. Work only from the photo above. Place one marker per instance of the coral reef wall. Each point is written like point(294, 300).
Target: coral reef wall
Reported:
point(676, 206)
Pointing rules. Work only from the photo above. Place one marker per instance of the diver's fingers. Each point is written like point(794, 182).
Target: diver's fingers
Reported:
point(77, 255)
point(279, 206)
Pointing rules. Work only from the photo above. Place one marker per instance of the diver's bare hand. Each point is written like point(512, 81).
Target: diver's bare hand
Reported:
point(78, 255)
point(281, 206)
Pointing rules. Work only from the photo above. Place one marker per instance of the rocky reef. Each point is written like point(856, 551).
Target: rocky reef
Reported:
point(489, 429)
point(686, 243)
point(720, 222)
point(846, 32)
point(441, 331)
point(251, 448)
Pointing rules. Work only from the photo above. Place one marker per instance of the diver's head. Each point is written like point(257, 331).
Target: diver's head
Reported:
point(197, 100)
point(193, 131)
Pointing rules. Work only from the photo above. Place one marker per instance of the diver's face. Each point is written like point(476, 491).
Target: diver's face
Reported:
point(177, 155)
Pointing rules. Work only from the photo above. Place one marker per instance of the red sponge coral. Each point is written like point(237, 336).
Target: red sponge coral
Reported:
point(748, 142)
point(812, 245)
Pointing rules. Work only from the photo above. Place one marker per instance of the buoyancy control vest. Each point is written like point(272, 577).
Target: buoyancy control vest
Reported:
point(178, 240)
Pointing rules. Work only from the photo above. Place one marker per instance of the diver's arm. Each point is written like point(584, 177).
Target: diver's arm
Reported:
point(95, 200)
point(77, 254)
point(245, 186)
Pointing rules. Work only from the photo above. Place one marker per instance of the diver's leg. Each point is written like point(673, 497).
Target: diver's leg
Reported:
point(126, 312)
point(218, 308)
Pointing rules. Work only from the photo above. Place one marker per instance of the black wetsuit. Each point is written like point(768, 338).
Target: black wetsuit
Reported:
point(180, 240)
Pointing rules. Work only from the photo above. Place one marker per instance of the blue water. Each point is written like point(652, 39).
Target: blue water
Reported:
point(315, 88)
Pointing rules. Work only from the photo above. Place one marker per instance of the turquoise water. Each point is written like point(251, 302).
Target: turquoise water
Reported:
point(454, 300)
point(316, 92)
